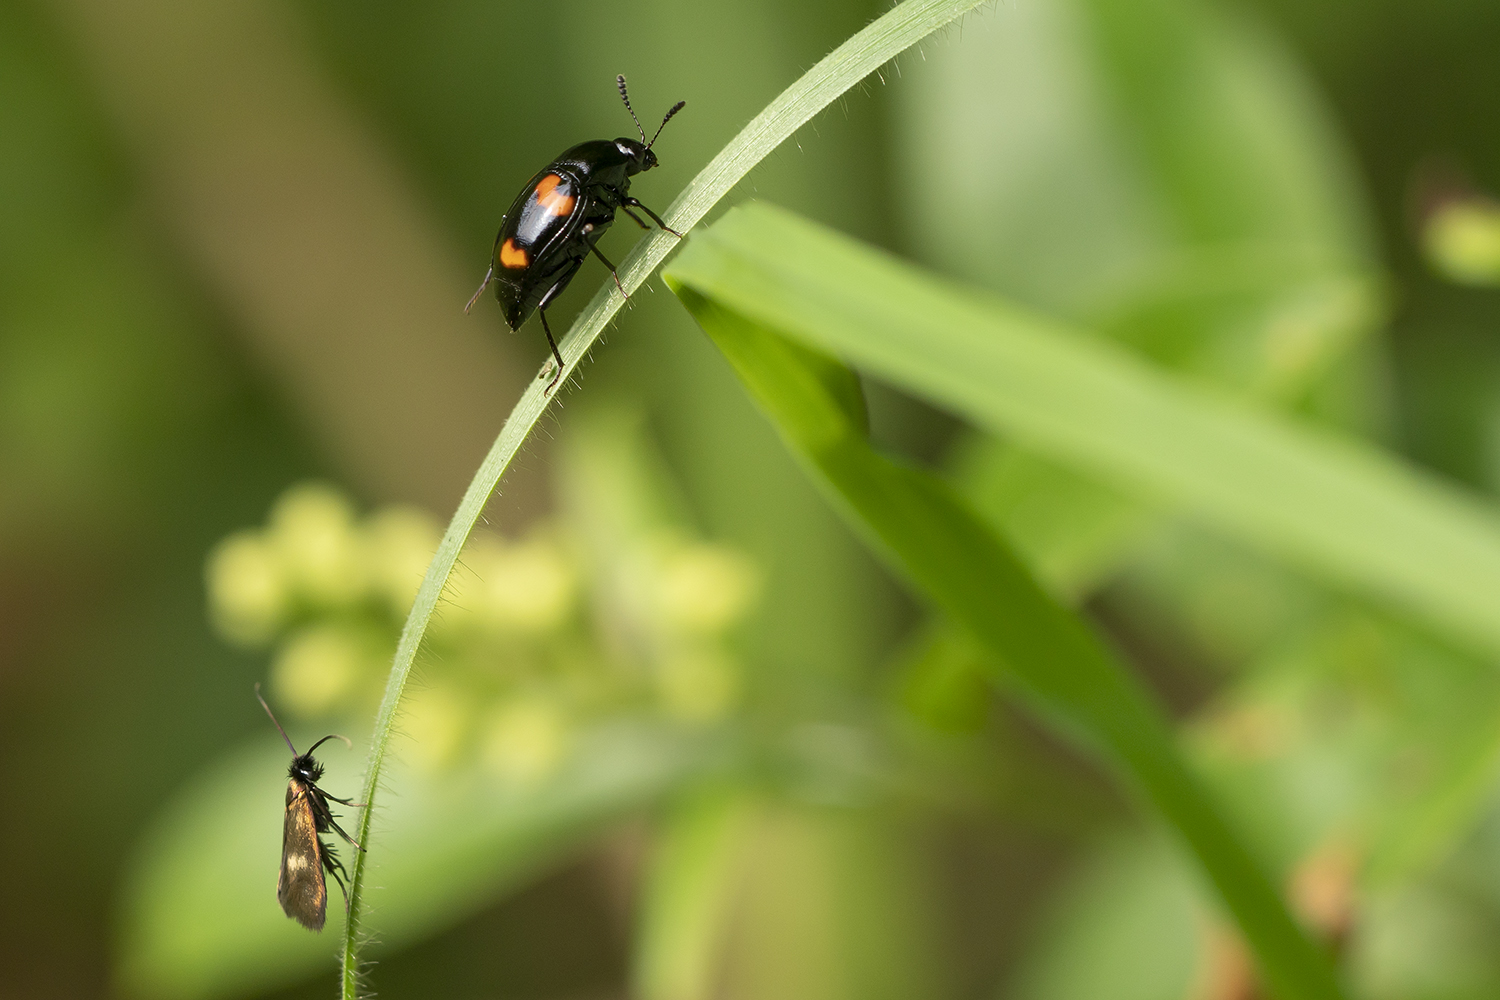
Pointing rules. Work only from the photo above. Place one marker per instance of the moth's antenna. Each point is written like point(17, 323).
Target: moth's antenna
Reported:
point(331, 736)
point(277, 724)
point(670, 112)
point(620, 82)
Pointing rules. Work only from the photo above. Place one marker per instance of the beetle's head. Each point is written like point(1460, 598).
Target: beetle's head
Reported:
point(639, 153)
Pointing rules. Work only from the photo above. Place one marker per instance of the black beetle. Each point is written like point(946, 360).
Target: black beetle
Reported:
point(558, 217)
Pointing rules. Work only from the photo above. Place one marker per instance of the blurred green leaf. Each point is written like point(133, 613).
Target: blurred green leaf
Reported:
point(1034, 645)
point(1163, 173)
point(1339, 727)
point(1429, 939)
point(1338, 508)
point(1125, 926)
point(1162, 158)
point(1236, 141)
point(1360, 730)
point(1214, 603)
point(943, 682)
point(200, 913)
point(1074, 533)
point(688, 897)
point(767, 900)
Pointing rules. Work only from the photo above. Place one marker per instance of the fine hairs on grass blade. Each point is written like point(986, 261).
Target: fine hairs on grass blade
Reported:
point(858, 57)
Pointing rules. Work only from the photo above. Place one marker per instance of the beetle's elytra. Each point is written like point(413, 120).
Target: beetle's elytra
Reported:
point(558, 217)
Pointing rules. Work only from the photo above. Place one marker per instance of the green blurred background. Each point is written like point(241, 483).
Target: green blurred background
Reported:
point(236, 242)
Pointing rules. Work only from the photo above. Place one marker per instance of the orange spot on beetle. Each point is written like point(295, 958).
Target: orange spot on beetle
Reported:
point(555, 202)
point(512, 255)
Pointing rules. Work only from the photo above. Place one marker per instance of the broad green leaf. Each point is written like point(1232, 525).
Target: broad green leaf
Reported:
point(1338, 508)
point(1034, 645)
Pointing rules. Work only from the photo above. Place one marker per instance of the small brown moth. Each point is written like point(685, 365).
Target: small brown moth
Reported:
point(300, 887)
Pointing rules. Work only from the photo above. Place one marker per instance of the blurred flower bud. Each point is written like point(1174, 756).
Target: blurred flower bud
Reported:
point(319, 667)
point(704, 588)
point(525, 739)
point(312, 531)
point(698, 686)
point(399, 544)
point(247, 592)
point(524, 587)
point(1462, 240)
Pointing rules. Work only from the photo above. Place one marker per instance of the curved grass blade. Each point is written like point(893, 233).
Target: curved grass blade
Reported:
point(858, 57)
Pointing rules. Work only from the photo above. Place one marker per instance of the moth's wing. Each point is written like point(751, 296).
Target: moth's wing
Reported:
point(300, 887)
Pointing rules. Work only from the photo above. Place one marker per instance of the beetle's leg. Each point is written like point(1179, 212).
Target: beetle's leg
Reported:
point(629, 203)
point(634, 217)
point(557, 356)
point(488, 276)
point(541, 310)
point(613, 273)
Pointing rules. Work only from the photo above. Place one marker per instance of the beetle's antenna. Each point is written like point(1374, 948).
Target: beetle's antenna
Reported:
point(620, 82)
point(670, 112)
point(275, 723)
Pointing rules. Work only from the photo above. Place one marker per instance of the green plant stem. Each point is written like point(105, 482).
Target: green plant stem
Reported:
point(841, 69)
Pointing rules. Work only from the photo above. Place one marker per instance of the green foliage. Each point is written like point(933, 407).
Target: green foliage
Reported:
point(756, 894)
point(761, 270)
point(1331, 505)
point(1123, 926)
point(1166, 376)
point(1031, 643)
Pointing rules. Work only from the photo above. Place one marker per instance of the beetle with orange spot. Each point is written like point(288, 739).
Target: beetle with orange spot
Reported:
point(557, 219)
